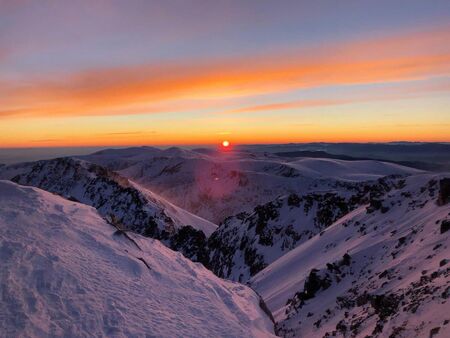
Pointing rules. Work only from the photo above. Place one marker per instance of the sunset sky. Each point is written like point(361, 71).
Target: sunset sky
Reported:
point(75, 73)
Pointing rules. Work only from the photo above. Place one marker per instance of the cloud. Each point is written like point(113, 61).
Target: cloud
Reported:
point(161, 88)
point(393, 92)
point(288, 105)
point(126, 133)
point(47, 140)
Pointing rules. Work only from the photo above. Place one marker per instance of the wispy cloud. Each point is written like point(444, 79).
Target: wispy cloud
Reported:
point(157, 88)
point(397, 92)
point(126, 133)
point(45, 140)
point(288, 105)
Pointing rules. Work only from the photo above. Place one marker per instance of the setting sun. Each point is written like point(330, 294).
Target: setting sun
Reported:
point(225, 144)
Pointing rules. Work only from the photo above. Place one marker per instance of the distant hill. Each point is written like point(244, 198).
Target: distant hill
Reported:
point(395, 151)
point(429, 166)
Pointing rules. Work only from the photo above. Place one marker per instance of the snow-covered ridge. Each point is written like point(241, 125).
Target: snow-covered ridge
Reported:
point(215, 185)
point(66, 272)
point(107, 191)
point(246, 243)
point(123, 202)
point(364, 170)
point(381, 270)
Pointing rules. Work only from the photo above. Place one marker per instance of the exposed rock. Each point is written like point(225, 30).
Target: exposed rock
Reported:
point(445, 226)
point(444, 191)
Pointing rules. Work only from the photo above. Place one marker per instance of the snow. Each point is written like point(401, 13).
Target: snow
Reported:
point(179, 215)
point(66, 272)
point(9, 171)
point(405, 241)
point(106, 190)
point(215, 185)
point(349, 170)
point(257, 239)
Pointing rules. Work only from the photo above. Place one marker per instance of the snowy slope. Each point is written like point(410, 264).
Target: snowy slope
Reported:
point(122, 201)
point(349, 170)
point(246, 243)
point(9, 171)
point(109, 192)
point(381, 270)
point(215, 185)
point(179, 215)
point(66, 272)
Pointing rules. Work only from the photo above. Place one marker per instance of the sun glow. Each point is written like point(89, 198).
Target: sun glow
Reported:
point(226, 144)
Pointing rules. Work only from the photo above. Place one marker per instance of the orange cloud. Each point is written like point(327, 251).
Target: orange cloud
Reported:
point(289, 105)
point(161, 88)
point(391, 94)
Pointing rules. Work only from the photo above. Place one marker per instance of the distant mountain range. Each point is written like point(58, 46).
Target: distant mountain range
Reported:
point(422, 155)
point(437, 153)
point(431, 166)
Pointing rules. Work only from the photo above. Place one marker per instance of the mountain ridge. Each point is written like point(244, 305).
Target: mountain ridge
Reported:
point(67, 272)
point(396, 254)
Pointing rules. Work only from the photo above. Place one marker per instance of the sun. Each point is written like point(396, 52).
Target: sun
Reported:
point(226, 143)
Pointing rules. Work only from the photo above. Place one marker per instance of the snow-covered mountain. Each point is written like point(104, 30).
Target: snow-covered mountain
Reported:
point(215, 185)
point(382, 270)
point(123, 202)
point(315, 193)
point(67, 272)
point(334, 247)
point(246, 243)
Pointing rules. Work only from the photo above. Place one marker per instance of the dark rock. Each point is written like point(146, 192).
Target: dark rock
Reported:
point(190, 242)
point(383, 274)
point(434, 331)
point(377, 205)
point(444, 191)
point(294, 200)
point(314, 283)
point(341, 327)
point(384, 305)
point(445, 226)
point(265, 309)
point(346, 259)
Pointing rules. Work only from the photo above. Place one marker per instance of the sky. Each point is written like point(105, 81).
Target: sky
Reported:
point(111, 73)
